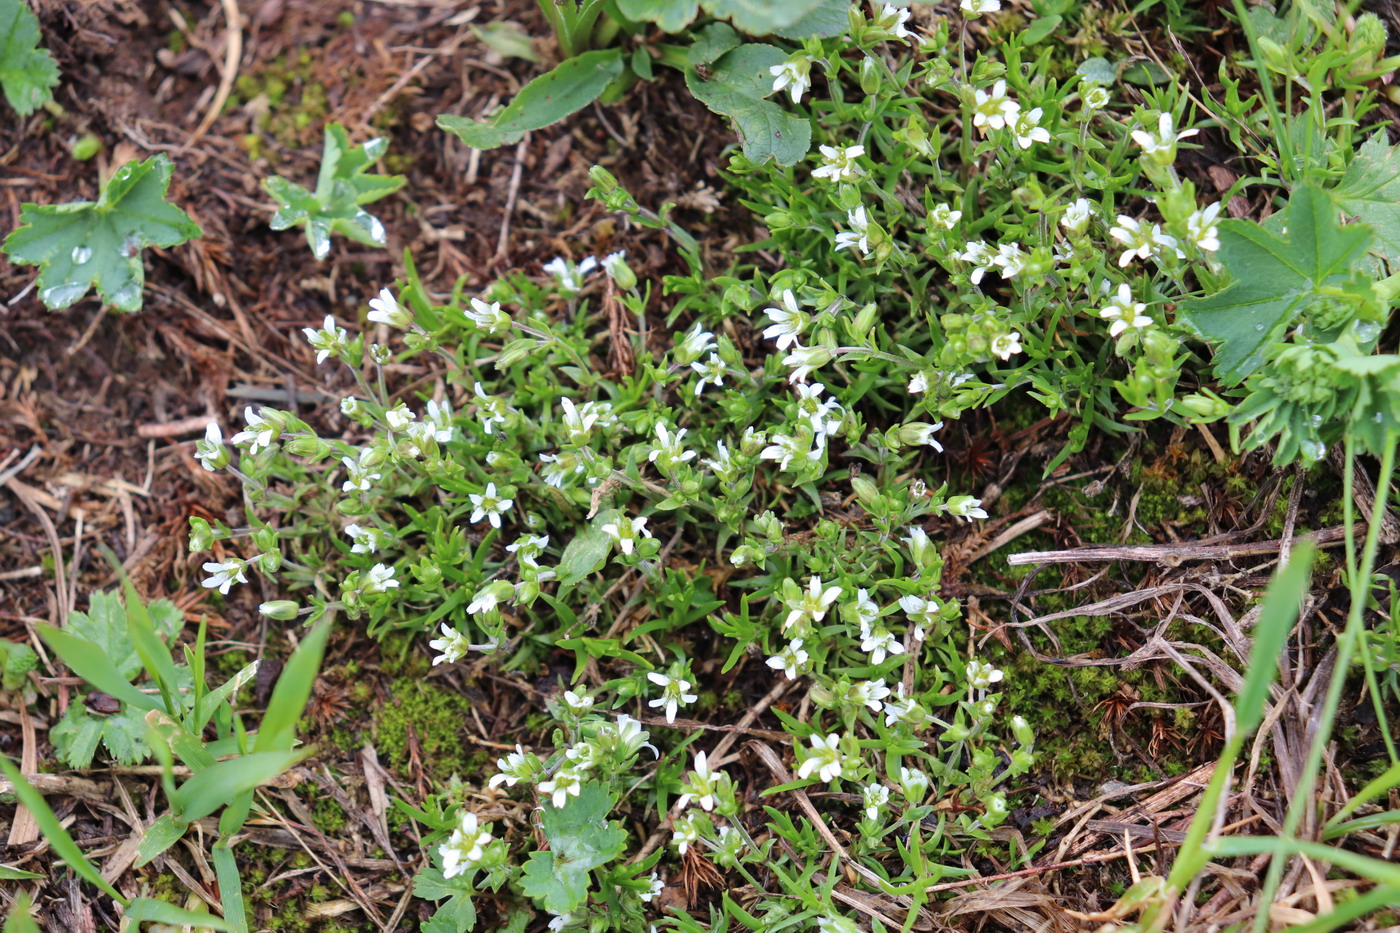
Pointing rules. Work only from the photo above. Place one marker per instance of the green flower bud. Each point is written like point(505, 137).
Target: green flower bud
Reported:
point(866, 490)
point(265, 538)
point(871, 76)
point(309, 446)
point(1206, 408)
point(515, 351)
point(202, 537)
point(283, 610)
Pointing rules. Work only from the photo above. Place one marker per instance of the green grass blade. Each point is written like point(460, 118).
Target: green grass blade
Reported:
point(20, 920)
point(1349, 911)
point(214, 787)
point(154, 653)
point(1372, 869)
point(1282, 601)
point(19, 874)
point(62, 843)
point(1372, 790)
point(206, 704)
point(159, 836)
point(91, 663)
point(284, 707)
point(149, 910)
point(230, 887)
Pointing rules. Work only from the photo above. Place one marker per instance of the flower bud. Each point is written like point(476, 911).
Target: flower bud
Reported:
point(515, 351)
point(309, 446)
point(270, 561)
point(866, 490)
point(265, 538)
point(202, 537)
point(1205, 408)
point(380, 354)
point(283, 610)
point(1022, 731)
point(871, 76)
point(863, 321)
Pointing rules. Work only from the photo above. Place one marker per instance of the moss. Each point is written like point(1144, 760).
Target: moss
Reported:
point(328, 815)
point(436, 716)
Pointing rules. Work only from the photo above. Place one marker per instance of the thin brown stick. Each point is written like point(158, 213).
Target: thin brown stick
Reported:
point(1173, 555)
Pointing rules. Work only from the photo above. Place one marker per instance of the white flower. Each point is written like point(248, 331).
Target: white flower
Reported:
point(578, 421)
point(488, 316)
point(226, 574)
point(859, 234)
point(811, 604)
point(993, 110)
point(260, 434)
point(804, 360)
point(570, 276)
point(399, 417)
point(465, 848)
point(696, 343)
point(923, 612)
point(982, 675)
point(1141, 240)
point(703, 784)
point(920, 382)
point(673, 693)
point(864, 608)
point(657, 886)
point(669, 451)
point(490, 506)
point(364, 540)
point(920, 433)
point(1077, 215)
point(869, 693)
point(626, 532)
point(965, 507)
point(878, 642)
point(1009, 260)
point(790, 660)
point(386, 310)
point(712, 372)
point(824, 415)
point(903, 709)
point(874, 798)
point(788, 321)
point(560, 921)
point(944, 216)
point(527, 547)
point(1006, 345)
point(893, 18)
point(439, 415)
point(1027, 129)
point(1201, 228)
point(975, 8)
point(981, 257)
point(1162, 146)
point(488, 597)
point(684, 832)
point(786, 448)
point(722, 463)
point(615, 263)
point(379, 579)
point(825, 759)
point(210, 452)
point(358, 475)
point(795, 74)
point(453, 645)
point(839, 163)
point(578, 702)
point(1096, 97)
point(565, 783)
point(327, 340)
point(837, 924)
point(914, 783)
point(1125, 313)
point(515, 767)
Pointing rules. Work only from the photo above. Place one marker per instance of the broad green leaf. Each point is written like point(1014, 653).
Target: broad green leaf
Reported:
point(736, 87)
point(829, 18)
point(213, 787)
point(571, 86)
point(1275, 278)
point(343, 186)
point(62, 843)
point(1040, 29)
point(584, 554)
point(150, 910)
point(761, 17)
point(8, 873)
point(1370, 192)
point(159, 836)
point(293, 688)
point(27, 73)
point(711, 42)
point(669, 15)
point(1097, 71)
point(507, 39)
point(16, 661)
point(85, 244)
point(580, 839)
point(456, 915)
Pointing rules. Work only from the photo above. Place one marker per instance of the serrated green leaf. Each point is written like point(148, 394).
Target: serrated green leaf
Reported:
point(456, 915)
point(75, 737)
point(343, 186)
point(1275, 278)
point(569, 87)
point(1370, 192)
point(580, 839)
point(85, 244)
point(27, 72)
point(761, 17)
point(668, 15)
point(16, 661)
point(124, 735)
point(736, 88)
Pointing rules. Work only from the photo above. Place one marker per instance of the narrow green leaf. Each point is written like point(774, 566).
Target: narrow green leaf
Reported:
point(149, 910)
point(568, 88)
point(62, 843)
point(293, 689)
point(159, 836)
point(230, 887)
point(214, 787)
point(89, 662)
point(18, 874)
point(1282, 602)
point(154, 653)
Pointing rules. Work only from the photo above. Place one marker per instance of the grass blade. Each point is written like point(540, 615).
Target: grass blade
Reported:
point(230, 887)
point(284, 707)
point(149, 910)
point(215, 786)
point(91, 663)
point(63, 844)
